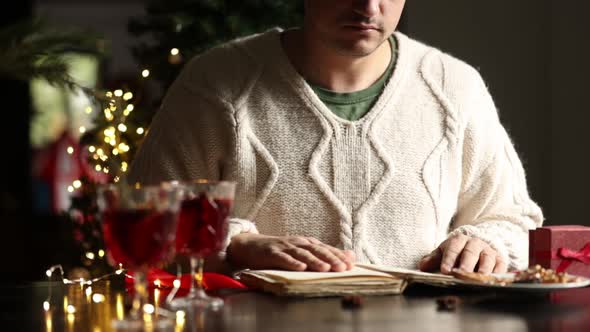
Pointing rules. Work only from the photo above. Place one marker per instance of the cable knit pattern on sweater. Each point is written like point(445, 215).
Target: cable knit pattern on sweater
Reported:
point(430, 159)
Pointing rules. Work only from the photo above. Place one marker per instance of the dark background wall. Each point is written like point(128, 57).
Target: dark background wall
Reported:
point(534, 58)
point(570, 111)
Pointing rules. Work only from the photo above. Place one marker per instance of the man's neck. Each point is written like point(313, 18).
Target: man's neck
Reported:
point(326, 68)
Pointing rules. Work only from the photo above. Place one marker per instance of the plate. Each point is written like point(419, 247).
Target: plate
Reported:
point(525, 287)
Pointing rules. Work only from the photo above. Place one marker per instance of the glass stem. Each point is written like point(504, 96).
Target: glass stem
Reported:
point(197, 273)
point(140, 298)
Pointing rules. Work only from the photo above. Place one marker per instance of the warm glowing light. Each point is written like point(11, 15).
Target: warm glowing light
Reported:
point(123, 147)
point(127, 96)
point(180, 320)
point(77, 184)
point(71, 309)
point(70, 150)
point(124, 166)
point(105, 170)
point(115, 151)
point(98, 168)
point(109, 132)
point(91, 149)
point(90, 255)
point(48, 273)
point(88, 291)
point(98, 298)
point(140, 131)
point(119, 271)
point(70, 189)
point(100, 152)
point(130, 107)
point(118, 93)
point(100, 253)
point(149, 309)
point(156, 297)
point(116, 179)
point(174, 51)
point(122, 127)
point(176, 283)
point(108, 115)
point(109, 94)
point(120, 309)
point(88, 110)
point(49, 322)
point(157, 283)
point(145, 73)
point(82, 129)
point(46, 306)
point(107, 139)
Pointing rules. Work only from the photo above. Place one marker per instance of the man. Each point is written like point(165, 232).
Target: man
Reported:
point(349, 142)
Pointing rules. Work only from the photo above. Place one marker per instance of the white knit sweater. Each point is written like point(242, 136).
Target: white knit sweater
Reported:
point(429, 159)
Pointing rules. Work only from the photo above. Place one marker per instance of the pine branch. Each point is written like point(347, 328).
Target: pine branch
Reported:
point(35, 49)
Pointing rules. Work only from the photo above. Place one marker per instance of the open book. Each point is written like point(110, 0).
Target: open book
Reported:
point(363, 279)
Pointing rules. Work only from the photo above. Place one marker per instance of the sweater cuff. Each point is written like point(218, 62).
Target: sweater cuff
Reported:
point(236, 226)
point(496, 244)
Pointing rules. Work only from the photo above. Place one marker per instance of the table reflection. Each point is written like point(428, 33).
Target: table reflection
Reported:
point(70, 309)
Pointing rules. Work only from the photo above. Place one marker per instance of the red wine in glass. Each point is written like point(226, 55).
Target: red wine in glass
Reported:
point(138, 237)
point(202, 225)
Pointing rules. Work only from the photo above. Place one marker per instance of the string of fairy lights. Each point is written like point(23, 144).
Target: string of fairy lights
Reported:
point(85, 285)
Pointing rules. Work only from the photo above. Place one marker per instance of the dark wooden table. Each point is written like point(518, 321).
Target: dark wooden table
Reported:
point(21, 309)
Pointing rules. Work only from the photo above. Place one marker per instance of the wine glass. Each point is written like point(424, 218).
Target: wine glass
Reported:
point(138, 227)
point(200, 232)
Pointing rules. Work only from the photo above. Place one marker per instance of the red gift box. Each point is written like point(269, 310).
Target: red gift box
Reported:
point(561, 248)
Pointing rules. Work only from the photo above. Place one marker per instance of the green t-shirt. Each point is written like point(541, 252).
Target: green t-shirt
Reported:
point(354, 105)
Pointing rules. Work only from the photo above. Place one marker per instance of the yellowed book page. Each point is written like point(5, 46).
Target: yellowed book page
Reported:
point(397, 271)
point(357, 273)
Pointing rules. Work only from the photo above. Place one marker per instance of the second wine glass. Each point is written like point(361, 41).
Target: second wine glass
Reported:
point(200, 232)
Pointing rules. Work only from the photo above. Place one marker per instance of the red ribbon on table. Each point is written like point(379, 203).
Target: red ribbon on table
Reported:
point(568, 256)
point(211, 281)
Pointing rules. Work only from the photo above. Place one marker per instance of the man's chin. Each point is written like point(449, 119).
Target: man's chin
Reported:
point(357, 49)
point(359, 45)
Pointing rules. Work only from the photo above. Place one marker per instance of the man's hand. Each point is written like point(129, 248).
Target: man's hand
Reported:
point(257, 251)
point(465, 252)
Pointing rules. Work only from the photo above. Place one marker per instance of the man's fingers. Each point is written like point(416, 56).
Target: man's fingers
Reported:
point(346, 257)
point(487, 261)
point(431, 262)
point(313, 263)
point(285, 261)
point(324, 253)
point(470, 254)
point(501, 266)
point(350, 258)
point(451, 250)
